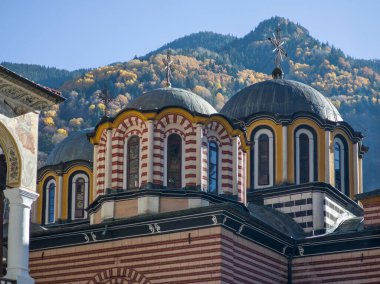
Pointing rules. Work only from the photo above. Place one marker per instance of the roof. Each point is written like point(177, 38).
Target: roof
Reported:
point(46, 90)
point(277, 220)
point(74, 147)
point(282, 97)
point(368, 194)
point(171, 97)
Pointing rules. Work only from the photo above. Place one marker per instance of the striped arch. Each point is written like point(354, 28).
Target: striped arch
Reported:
point(132, 125)
point(240, 173)
point(168, 124)
point(120, 275)
point(101, 164)
point(217, 132)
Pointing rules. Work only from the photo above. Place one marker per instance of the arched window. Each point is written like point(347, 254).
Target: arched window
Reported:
point(50, 201)
point(133, 160)
point(263, 159)
point(174, 161)
point(339, 164)
point(213, 157)
point(79, 196)
point(263, 165)
point(304, 156)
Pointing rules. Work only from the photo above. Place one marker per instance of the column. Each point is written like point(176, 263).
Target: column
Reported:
point(108, 162)
point(244, 178)
point(95, 171)
point(59, 188)
point(20, 202)
point(356, 168)
point(150, 157)
point(199, 157)
point(327, 157)
point(235, 165)
point(284, 153)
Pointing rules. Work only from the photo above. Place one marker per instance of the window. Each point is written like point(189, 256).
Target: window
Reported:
point(339, 164)
point(79, 196)
point(262, 157)
point(263, 160)
point(304, 156)
point(213, 167)
point(133, 160)
point(50, 202)
point(174, 161)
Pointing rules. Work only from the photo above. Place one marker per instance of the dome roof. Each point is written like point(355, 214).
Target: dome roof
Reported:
point(283, 97)
point(160, 98)
point(74, 147)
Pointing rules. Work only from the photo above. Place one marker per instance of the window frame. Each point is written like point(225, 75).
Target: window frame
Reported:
point(127, 161)
point(76, 176)
point(47, 201)
point(216, 148)
point(342, 153)
point(166, 161)
point(257, 134)
point(310, 135)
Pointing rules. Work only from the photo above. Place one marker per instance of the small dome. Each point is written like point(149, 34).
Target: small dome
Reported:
point(165, 97)
point(74, 147)
point(283, 97)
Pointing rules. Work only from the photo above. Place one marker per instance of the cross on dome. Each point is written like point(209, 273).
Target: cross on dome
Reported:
point(168, 66)
point(279, 52)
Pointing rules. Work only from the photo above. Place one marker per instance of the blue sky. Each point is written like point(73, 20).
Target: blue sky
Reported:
point(75, 34)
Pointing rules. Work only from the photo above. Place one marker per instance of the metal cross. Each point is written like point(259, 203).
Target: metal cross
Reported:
point(279, 49)
point(105, 99)
point(168, 65)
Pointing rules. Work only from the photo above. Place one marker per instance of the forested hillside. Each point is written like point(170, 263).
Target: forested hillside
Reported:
point(215, 67)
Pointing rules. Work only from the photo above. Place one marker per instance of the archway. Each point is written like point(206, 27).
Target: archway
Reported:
point(12, 158)
point(119, 275)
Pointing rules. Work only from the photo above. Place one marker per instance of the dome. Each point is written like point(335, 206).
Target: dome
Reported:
point(283, 97)
point(165, 97)
point(74, 147)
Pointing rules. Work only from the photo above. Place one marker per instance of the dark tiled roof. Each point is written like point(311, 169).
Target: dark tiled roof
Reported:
point(165, 97)
point(277, 220)
point(74, 147)
point(282, 97)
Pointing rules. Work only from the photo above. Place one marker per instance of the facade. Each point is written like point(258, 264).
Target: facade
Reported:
point(20, 103)
point(171, 191)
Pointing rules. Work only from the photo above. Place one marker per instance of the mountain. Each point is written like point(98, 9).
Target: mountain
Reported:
point(207, 40)
point(47, 76)
point(215, 67)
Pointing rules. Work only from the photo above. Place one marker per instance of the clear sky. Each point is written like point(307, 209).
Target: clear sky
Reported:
point(75, 34)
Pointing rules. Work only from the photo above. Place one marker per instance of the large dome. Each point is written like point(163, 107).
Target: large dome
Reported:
point(165, 97)
point(74, 147)
point(283, 97)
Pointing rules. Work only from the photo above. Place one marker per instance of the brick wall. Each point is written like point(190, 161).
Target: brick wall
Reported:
point(349, 267)
point(210, 255)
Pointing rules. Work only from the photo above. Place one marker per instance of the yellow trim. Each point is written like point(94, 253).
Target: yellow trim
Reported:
point(123, 116)
point(173, 110)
